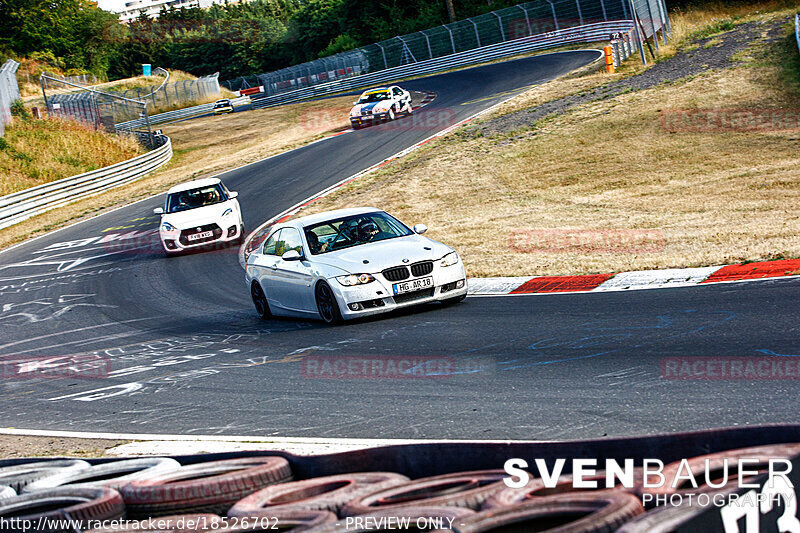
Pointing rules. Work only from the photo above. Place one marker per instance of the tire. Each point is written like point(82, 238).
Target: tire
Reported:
point(600, 512)
point(188, 523)
point(326, 493)
point(6, 492)
point(49, 508)
point(203, 487)
point(716, 462)
point(18, 476)
point(536, 489)
point(113, 475)
point(327, 305)
point(462, 489)
point(284, 520)
point(390, 116)
point(448, 515)
point(260, 301)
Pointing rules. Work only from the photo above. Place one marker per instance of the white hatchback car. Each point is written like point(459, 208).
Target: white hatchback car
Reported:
point(350, 263)
point(199, 213)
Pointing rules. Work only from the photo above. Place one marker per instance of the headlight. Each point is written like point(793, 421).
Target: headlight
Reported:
point(227, 212)
point(449, 260)
point(166, 226)
point(355, 279)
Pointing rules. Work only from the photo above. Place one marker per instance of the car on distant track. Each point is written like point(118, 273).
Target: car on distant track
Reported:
point(223, 106)
point(380, 105)
point(350, 263)
point(199, 213)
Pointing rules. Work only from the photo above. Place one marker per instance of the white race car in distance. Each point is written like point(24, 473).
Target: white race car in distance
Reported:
point(199, 213)
point(350, 263)
point(379, 105)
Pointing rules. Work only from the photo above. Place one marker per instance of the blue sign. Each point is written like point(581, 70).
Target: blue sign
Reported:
point(146, 69)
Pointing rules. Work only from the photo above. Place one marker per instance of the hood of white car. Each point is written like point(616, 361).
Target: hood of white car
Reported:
point(371, 107)
point(200, 216)
point(384, 254)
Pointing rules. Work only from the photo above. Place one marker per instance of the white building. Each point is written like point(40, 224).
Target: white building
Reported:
point(131, 9)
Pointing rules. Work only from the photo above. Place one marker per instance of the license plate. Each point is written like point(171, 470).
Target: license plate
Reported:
point(413, 285)
point(198, 236)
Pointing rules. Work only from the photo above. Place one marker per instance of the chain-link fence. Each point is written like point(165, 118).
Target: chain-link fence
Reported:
point(176, 94)
point(536, 18)
point(9, 92)
point(98, 108)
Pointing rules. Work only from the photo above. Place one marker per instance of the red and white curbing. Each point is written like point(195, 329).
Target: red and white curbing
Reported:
point(638, 280)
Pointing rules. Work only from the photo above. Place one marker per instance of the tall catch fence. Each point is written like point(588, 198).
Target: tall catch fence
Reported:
point(179, 93)
point(536, 19)
point(98, 108)
point(9, 92)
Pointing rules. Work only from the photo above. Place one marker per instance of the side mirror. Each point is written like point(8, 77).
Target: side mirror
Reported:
point(233, 195)
point(291, 255)
point(158, 211)
point(419, 229)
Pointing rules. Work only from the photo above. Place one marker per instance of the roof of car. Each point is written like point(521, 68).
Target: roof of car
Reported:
point(376, 90)
point(195, 184)
point(222, 101)
point(330, 215)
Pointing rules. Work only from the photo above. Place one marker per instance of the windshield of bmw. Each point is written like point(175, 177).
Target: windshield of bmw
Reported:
point(219, 105)
point(351, 231)
point(194, 198)
point(366, 98)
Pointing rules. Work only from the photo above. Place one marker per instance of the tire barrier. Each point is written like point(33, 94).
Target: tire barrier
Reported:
point(600, 512)
point(463, 489)
point(258, 493)
point(18, 476)
point(212, 487)
point(111, 475)
point(326, 493)
point(55, 510)
point(6, 492)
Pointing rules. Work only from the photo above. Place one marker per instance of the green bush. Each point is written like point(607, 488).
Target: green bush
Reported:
point(19, 110)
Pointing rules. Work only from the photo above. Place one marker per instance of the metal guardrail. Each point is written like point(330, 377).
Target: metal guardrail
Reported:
point(797, 30)
point(178, 114)
point(588, 33)
point(21, 205)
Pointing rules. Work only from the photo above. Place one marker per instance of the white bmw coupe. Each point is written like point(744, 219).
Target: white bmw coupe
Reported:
point(197, 214)
point(380, 105)
point(350, 263)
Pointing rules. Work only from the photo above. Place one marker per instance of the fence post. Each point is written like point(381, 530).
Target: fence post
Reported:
point(662, 14)
point(580, 13)
point(385, 63)
point(555, 17)
point(603, 7)
point(652, 24)
point(639, 35)
point(624, 8)
point(500, 24)
point(427, 40)
point(452, 41)
point(527, 19)
point(477, 37)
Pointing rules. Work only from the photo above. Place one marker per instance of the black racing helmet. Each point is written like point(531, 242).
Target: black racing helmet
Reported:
point(367, 229)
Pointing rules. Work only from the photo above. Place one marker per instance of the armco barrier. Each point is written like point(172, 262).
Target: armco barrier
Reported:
point(600, 31)
point(21, 205)
point(178, 114)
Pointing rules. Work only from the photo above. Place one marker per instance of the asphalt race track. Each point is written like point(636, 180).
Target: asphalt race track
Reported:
point(137, 342)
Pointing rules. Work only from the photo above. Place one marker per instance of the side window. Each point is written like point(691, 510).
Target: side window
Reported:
point(290, 240)
point(270, 245)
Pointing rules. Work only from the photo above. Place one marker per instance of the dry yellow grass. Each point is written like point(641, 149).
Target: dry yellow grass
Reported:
point(34, 152)
point(712, 197)
point(205, 147)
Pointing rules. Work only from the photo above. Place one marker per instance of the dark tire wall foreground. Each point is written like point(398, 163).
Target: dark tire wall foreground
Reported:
point(259, 493)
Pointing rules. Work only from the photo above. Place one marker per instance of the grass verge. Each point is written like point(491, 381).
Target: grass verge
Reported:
point(577, 193)
point(205, 147)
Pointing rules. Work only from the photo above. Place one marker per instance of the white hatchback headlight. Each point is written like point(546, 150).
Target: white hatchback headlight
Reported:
point(449, 260)
point(355, 279)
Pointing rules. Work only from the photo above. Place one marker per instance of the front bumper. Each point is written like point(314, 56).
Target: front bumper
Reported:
point(362, 120)
point(174, 243)
point(377, 297)
point(224, 110)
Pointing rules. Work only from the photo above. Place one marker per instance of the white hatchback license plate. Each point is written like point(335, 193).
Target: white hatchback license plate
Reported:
point(198, 236)
point(413, 285)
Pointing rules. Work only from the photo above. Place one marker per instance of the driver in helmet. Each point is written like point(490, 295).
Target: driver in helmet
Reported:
point(367, 230)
